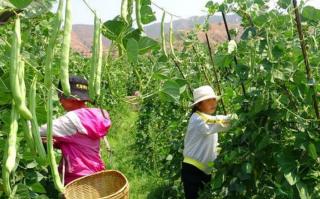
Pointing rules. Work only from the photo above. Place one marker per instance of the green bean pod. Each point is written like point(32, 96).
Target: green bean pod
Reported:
point(25, 127)
point(99, 66)
point(6, 174)
point(94, 58)
point(34, 123)
point(50, 48)
point(138, 15)
point(171, 41)
point(124, 10)
point(52, 159)
point(14, 74)
point(64, 62)
point(11, 151)
point(163, 37)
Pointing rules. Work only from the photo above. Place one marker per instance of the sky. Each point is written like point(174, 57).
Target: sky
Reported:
point(108, 9)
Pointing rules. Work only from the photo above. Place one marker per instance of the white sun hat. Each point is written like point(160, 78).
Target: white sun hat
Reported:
point(203, 93)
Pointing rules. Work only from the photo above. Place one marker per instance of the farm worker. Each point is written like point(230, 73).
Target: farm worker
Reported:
point(78, 132)
point(201, 141)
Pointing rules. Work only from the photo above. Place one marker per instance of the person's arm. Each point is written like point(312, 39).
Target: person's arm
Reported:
point(212, 124)
point(63, 126)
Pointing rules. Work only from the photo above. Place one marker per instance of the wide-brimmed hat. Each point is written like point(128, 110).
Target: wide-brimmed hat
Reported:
point(78, 88)
point(203, 93)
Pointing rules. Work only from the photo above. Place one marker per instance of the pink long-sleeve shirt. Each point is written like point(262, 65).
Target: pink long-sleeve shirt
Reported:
point(77, 134)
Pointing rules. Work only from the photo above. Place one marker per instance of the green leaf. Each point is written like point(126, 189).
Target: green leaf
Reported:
point(161, 71)
point(286, 162)
point(20, 191)
point(114, 29)
point(278, 52)
point(222, 60)
point(38, 7)
point(132, 50)
point(232, 47)
point(170, 91)
point(249, 31)
point(41, 197)
point(311, 13)
point(20, 3)
point(259, 103)
point(146, 44)
point(292, 177)
point(182, 84)
point(303, 190)
point(246, 167)
point(163, 59)
point(264, 142)
point(212, 7)
point(147, 15)
point(284, 3)
point(261, 20)
point(145, 2)
point(278, 75)
point(312, 152)
point(32, 164)
point(242, 71)
point(216, 183)
point(299, 77)
point(136, 34)
point(38, 188)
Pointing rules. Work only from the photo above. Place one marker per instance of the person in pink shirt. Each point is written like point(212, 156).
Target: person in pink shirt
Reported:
point(77, 133)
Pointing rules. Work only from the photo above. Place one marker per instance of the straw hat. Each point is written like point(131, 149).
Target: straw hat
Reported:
point(203, 93)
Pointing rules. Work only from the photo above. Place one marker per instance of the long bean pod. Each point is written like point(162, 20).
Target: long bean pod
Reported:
point(6, 174)
point(124, 10)
point(99, 66)
point(163, 37)
point(25, 127)
point(138, 15)
point(64, 62)
point(171, 41)
point(11, 151)
point(34, 123)
point(52, 41)
point(94, 58)
point(14, 74)
point(52, 159)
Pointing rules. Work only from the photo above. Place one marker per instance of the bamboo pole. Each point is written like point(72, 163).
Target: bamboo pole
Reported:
point(215, 73)
point(177, 65)
point(305, 55)
point(204, 72)
point(235, 57)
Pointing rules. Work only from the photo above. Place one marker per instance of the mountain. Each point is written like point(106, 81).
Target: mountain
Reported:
point(82, 35)
point(153, 30)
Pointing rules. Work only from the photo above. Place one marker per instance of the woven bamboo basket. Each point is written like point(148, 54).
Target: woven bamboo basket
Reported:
point(109, 184)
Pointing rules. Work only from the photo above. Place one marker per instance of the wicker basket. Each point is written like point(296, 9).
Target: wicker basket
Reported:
point(109, 184)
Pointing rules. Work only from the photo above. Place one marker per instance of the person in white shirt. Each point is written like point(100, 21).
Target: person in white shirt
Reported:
point(201, 141)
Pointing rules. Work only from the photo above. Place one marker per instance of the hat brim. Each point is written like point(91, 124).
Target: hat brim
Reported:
point(75, 95)
point(206, 97)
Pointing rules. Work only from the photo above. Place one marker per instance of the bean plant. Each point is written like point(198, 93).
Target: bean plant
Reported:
point(268, 77)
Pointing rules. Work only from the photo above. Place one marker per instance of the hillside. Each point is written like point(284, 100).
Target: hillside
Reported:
point(82, 34)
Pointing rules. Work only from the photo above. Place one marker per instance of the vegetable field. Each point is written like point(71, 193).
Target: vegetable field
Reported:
point(268, 77)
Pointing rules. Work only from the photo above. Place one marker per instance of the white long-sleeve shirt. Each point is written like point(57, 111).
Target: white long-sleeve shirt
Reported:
point(201, 140)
